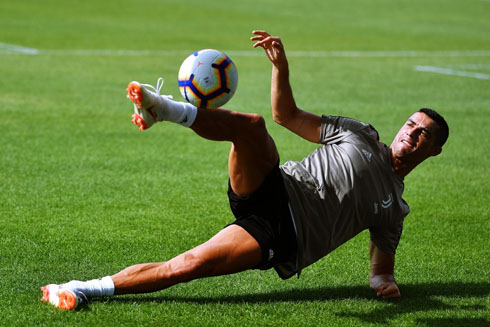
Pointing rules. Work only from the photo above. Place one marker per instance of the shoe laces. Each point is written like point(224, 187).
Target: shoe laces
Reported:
point(158, 88)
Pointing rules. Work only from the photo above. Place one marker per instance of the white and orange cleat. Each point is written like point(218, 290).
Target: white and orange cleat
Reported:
point(146, 102)
point(62, 298)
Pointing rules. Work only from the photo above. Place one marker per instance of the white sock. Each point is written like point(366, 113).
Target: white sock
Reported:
point(95, 287)
point(177, 112)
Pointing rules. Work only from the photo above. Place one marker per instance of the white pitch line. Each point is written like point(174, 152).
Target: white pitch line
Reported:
point(16, 49)
point(12, 48)
point(448, 71)
point(108, 52)
point(473, 66)
point(392, 53)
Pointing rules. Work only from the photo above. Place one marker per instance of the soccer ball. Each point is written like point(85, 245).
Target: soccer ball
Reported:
point(208, 78)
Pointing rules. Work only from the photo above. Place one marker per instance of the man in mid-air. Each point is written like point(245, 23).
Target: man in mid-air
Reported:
point(287, 216)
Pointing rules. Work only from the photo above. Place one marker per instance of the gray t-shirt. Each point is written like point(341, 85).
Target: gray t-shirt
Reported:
point(344, 187)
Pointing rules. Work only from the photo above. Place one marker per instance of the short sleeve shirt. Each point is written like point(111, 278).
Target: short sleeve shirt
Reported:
point(345, 186)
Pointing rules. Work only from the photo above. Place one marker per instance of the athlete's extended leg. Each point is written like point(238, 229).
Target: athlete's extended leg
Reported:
point(230, 251)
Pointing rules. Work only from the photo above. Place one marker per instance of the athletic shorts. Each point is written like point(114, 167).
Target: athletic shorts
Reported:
point(265, 215)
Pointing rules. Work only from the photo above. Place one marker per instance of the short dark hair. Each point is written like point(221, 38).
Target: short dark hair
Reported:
point(443, 128)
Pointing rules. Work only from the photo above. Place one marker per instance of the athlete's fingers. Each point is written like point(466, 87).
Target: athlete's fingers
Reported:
point(262, 41)
point(259, 35)
point(267, 41)
point(389, 291)
point(272, 45)
point(260, 32)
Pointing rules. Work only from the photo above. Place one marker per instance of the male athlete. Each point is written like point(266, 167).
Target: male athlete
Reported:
point(288, 216)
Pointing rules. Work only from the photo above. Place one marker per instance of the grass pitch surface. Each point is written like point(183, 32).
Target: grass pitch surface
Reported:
point(83, 194)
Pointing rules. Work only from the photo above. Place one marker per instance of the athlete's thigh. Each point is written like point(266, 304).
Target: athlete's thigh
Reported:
point(253, 153)
point(251, 160)
point(230, 251)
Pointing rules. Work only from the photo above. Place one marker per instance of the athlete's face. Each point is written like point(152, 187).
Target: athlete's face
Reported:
point(415, 141)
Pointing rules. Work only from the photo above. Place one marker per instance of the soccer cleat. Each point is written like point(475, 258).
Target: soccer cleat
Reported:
point(145, 102)
point(62, 298)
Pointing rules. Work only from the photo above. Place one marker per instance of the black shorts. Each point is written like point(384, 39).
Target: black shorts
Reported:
point(265, 215)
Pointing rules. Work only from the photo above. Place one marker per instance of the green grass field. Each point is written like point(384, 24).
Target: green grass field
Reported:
point(83, 194)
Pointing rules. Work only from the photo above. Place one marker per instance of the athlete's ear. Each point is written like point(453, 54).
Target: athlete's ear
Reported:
point(436, 151)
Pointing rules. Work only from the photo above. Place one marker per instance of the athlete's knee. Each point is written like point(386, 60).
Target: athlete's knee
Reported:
point(257, 121)
point(253, 126)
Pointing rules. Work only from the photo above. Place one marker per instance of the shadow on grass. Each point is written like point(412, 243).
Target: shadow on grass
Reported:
point(411, 293)
point(433, 298)
point(424, 297)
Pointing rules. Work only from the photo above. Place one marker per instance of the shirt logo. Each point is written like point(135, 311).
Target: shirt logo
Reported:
point(271, 254)
point(367, 154)
point(388, 202)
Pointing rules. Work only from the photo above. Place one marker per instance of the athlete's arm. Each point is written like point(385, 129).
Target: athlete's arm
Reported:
point(381, 278)
point(284, 109)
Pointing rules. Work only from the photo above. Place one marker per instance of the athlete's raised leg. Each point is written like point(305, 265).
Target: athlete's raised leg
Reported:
point(253, 152)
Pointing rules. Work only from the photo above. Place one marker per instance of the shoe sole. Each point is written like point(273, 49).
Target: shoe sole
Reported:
point(139, 121)
point(67, 300)
point(134, 93)
point(136, 96)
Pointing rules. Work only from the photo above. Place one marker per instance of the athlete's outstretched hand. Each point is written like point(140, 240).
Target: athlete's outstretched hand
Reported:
point(273, 47)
